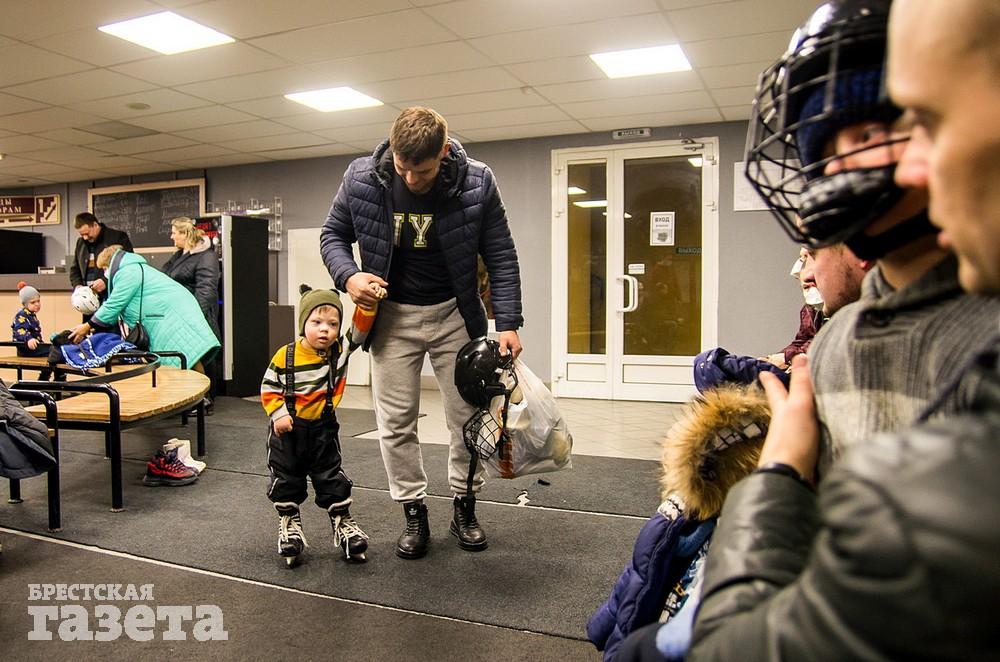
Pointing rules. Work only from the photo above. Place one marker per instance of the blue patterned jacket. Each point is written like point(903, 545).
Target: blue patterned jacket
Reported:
point(26, 326)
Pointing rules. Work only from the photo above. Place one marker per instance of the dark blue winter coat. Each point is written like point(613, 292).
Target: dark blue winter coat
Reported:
point(663, 551)
point(471, 220)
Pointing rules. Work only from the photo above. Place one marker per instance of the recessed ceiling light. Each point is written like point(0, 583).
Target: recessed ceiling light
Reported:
point(586, 204)
point(642, 61)
point(575, 190)
point(334, 98)
point(167, 33)
point(138, 105)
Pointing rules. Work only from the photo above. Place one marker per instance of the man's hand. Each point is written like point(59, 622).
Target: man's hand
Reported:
point(77, 335)
point(510, 343)
point(98, 286)
point(793, 436)
point(283, 425)
point(366, 289)
point(32, 343)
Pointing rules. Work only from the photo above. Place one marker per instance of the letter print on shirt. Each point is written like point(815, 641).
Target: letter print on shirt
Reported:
point(421, 223)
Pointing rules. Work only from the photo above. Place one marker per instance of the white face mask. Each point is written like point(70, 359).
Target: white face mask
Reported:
point(796, 268)
point(813, 297)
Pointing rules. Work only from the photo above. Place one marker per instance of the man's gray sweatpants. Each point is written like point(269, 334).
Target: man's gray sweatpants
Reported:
point(404, 335)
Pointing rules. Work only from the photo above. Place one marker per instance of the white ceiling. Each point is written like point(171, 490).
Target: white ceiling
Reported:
point(496, 69)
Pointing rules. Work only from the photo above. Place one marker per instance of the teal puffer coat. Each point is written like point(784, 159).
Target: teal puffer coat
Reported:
point(170, 313)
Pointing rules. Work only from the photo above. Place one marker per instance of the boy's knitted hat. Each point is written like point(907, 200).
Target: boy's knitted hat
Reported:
point(313, 299)
point(26, 292)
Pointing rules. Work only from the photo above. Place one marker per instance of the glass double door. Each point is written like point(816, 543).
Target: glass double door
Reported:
point(634, 269)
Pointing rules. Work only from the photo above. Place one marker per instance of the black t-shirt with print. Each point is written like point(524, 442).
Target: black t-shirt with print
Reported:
point(418, 274)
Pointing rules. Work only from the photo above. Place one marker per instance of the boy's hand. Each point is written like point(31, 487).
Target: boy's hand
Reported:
point(32, 343)
point(283, 425)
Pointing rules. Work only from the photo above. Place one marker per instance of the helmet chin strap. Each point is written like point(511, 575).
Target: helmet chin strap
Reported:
point(868, 247)
point(839, 207)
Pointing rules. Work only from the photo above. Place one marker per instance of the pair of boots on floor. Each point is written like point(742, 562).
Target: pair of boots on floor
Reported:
point(412, 544)
point(347, 535)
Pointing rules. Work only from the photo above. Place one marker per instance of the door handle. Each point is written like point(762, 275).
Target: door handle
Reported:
point(633, 291)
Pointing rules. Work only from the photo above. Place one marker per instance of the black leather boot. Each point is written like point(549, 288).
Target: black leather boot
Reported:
point(465, 526)
point(413, 543)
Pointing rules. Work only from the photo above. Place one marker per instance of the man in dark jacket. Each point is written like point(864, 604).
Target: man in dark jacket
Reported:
point(421, 212)
point(896, 558)
point(94, 238)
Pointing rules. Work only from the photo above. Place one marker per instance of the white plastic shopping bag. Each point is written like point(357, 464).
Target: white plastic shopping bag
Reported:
point(538, 439)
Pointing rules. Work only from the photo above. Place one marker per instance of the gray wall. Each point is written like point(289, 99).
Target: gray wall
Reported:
point(758, 302)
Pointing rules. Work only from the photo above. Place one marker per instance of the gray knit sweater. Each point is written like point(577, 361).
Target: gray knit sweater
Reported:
point(880, 361)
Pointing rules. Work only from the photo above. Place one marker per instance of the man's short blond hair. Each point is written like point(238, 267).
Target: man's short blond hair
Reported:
point(104, 257)
point(418, 134)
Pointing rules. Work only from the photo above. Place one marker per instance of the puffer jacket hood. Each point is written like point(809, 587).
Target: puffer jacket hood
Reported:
point(122, 259)
point(714, 444)
point(454, 167)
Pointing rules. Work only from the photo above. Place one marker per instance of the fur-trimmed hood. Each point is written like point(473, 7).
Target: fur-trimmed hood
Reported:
point(714, 444)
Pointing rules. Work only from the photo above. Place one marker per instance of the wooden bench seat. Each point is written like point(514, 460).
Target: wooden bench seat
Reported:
point(175, 390)
point(125, 403)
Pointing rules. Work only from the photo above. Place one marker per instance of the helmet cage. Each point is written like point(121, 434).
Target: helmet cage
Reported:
point(486, 430)
point(819, 63)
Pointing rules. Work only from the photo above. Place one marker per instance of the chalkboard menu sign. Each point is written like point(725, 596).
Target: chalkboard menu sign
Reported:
point(144, 211)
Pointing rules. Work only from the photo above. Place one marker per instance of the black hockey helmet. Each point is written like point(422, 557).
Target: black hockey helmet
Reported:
point(478, 371)
point(830, 77)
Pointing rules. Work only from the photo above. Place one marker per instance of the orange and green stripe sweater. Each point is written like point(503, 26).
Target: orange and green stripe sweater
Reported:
point(312, 379)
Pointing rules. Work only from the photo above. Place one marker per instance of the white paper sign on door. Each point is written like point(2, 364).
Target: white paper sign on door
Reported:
point(661, 228)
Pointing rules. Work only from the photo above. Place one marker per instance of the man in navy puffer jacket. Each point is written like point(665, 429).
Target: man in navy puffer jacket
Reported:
point(421, 213)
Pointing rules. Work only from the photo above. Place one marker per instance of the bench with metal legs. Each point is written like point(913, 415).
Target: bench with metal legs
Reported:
point(52, 475)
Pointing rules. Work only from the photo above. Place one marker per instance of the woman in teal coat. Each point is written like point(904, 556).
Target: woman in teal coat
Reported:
point(170, 314)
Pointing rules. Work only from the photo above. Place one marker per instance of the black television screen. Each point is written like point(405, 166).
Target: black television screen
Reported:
point(21, 252)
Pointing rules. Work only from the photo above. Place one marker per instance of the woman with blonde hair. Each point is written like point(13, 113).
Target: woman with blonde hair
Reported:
point(195, 265)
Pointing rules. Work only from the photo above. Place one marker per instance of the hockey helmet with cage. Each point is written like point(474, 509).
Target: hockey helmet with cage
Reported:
point(830, 77)
point(85, 300)
point(478, 371)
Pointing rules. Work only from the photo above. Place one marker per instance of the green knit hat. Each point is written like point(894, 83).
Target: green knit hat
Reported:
point(313, 299)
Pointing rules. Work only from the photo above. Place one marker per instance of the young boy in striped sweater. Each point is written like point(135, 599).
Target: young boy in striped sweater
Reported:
point(298, 394)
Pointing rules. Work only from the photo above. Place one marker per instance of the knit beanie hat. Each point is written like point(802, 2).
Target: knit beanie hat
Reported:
point(856, 97)
point(26, 292)
point(313, 299)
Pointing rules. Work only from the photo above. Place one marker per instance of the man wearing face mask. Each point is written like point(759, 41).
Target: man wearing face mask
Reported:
point(822, 114)
point(811, 315)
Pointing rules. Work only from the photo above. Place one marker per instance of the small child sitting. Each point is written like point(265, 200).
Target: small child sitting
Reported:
point(27, 329)
point(297, 393)
point(711, 447)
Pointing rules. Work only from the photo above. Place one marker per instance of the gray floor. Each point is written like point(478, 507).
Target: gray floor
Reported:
point(557, 545)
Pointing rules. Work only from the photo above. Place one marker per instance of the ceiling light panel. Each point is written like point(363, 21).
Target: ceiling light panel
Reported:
point(167, 33)
point(333, 99)
point(642, 61)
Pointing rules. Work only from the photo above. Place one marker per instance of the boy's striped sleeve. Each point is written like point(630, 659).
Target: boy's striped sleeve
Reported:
point(272, 388)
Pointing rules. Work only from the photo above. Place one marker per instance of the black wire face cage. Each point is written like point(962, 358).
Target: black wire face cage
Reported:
point(486, 430)
point(774, 159)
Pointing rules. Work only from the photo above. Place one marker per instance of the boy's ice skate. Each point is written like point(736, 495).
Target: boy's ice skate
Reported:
point(347, 534)
point(291, 539)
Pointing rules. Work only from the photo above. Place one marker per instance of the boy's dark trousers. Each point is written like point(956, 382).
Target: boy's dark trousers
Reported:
point(311, 449)
point(41, 350)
